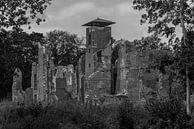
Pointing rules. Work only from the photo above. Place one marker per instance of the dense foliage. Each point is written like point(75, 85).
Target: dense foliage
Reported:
point(163, 17)
point(17, 49)
point(14, 13)
point(157, 114)
point(167, 114)
point(66, 48)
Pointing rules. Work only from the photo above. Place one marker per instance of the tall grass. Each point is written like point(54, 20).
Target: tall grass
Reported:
point(72, 115)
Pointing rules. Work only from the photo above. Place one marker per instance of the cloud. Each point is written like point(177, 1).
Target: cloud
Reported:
point(125, 8)
point(37, 28)
point(105, 10)
point(73, 10)
point(78, 9)
point(69, 15)
point(120, 9)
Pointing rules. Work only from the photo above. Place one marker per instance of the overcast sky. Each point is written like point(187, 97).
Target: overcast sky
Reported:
point(69, 15)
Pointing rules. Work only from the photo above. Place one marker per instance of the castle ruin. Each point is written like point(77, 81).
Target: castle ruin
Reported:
point(108, 72)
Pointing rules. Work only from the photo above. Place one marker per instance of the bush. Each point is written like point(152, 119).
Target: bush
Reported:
point(33, 117)
point(64, 115)
point(126, 115)
point(91, 117)
point(167, 114)
point(132, 115)
point(157, 114)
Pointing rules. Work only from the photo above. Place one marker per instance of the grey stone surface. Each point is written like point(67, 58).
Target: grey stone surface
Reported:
point(17, 91)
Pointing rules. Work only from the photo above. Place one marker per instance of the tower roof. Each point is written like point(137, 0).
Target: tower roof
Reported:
point(99, 23)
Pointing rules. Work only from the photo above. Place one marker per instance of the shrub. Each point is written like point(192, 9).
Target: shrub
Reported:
point(32, 117)
point(86, 116)
point(167, 114)
point(126, 115)
point(157, 114)
point(90, 117)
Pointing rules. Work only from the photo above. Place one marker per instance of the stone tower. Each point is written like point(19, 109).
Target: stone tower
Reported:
point(98, 35)
point(97, 58)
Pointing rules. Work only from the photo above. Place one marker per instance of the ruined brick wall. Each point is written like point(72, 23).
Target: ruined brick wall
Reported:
point(81, 79)
point(96, 79)
point(132, 75)
point(128, 81)
point(34, 82)
point(41, 78)
point(42, 74)
point(99, 82)
point(61, 92)
point(17, 91)
point(96, 39)
point(121, 69)
point(65, 82)
point(135, 75)
point(89, 63)
point(50, 83)
point(38, 79)
point(98, 86)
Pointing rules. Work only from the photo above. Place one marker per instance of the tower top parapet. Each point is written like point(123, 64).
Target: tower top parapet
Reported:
point(99, 22)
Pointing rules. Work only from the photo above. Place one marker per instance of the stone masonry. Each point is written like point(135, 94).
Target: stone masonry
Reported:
point(17, 91)
point(97, 74)
point(19, 96)
point(134, 76)
point(107, 73)
point(51, 83)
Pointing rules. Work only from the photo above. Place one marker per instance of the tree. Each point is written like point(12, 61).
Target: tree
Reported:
point(152, 42)
point(19, 49)
point(164, 16)
point(66, 48)
point(159, 52)
point(160, 56)
point(14, 13)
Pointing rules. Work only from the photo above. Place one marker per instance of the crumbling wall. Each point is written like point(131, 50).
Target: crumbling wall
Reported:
point(99, 82)
point(65, 82)
point(17, 91)
point(28, 96)
point(98, 86)
point(19, 96)
point(135, 77)
point(81, 79)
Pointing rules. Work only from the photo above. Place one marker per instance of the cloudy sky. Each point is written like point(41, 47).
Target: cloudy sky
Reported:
point(69, 15)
